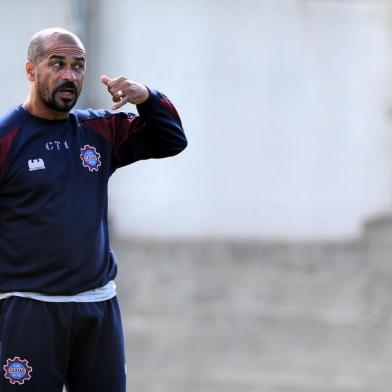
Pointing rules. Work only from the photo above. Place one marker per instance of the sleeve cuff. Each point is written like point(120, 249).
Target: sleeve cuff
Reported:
point(150, 104)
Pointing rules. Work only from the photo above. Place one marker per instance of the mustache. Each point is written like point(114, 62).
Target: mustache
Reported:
point(66, 85)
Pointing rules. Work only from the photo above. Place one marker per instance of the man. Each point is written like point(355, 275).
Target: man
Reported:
point(59, 318)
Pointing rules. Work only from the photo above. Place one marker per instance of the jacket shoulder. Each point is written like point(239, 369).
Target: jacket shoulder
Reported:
point(10, 120)
point(91, 114)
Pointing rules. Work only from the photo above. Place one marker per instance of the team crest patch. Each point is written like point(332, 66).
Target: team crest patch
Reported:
point(17, 370)
point(90, 158)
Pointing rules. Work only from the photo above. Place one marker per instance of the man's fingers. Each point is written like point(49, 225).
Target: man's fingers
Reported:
point(119, 104)
point(105, 80)
point(114, 84)
point(124, 90)
point(118, 94)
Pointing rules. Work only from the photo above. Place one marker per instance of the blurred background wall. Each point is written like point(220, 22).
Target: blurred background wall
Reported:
point(286, 105)
point(259, 259)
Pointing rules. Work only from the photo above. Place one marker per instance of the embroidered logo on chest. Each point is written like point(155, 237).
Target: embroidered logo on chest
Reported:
point(36, 164)
point(17, 370)
point(90, 158)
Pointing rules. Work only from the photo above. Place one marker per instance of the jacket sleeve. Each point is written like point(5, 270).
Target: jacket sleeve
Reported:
point(156, 133)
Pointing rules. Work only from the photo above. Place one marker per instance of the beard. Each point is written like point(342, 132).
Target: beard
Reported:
point(54, 100)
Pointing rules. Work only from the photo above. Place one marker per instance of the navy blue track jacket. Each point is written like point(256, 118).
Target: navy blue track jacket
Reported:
point(53, 191)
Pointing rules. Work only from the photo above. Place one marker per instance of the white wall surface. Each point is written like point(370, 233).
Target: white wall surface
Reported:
point(19, 20)
point(286, 104)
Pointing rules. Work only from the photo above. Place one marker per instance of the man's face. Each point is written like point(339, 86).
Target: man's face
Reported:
point(59, 75)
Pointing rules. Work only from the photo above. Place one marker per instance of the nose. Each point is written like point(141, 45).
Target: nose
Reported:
point(69, 74)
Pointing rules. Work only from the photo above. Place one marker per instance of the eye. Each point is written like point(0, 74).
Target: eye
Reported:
point(57, 64)
point(79, 66)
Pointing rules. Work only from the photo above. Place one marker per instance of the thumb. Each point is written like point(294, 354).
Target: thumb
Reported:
point(105, 80)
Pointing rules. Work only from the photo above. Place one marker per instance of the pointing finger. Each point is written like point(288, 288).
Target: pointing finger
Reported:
point(105, 80)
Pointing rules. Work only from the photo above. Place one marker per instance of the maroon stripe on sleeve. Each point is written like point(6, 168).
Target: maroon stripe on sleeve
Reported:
point(170, 108)
point(115, 129)
point(103, 126)
point(5, 147)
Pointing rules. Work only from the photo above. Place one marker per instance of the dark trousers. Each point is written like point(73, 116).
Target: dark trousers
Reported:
point(44, 346)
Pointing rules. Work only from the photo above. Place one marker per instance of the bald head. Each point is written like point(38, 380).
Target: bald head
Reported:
point(42, 40)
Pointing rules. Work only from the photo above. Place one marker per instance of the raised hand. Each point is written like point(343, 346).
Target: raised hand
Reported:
point(125, 91)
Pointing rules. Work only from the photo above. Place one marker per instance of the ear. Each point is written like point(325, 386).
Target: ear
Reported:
point(30, 71)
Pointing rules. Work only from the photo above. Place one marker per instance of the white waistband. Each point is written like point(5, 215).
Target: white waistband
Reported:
point(96, 295)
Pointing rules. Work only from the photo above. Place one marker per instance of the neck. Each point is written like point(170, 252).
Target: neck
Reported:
point(37, 108)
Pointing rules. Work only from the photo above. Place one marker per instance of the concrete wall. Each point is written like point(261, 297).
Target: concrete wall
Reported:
point(259, 316)
point(286, 105)
point(19, 20)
